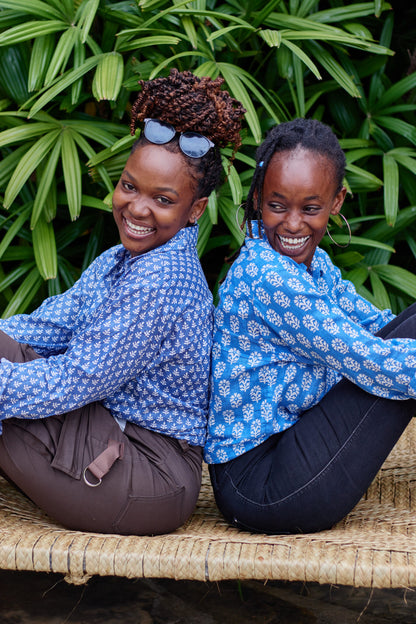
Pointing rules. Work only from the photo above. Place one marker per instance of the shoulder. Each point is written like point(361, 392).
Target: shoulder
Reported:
point(173, 267)
point(103, 264)
point(174, 260)
point(322, 261)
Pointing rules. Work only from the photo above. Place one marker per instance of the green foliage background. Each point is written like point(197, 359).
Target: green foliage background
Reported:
point(68, 76)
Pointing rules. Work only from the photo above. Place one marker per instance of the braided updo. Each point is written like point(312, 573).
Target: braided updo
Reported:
point(192, 104)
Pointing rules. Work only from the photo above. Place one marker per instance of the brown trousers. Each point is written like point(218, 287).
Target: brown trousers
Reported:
point(87, 474)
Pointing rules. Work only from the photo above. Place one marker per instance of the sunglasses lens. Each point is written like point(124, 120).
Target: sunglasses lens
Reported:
point(194, 145)
point(158, 132)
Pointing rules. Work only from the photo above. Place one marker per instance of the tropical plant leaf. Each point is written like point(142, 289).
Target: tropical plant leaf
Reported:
point(44, 248)
point(234, 181)
point(396, 91)
point(297, 51)
point(42, 51)
point(25, 132)
point(86, 15)
point(61, 55)
point(28, 164)
point(14, 67)
point(380, 293)
point(24, 294)
point(31, 30)
point(398, 277)
point(212, 208)
point(399, 126)
point(360, 241)
point(205, 228)
point(63, 83)
point(108, 77)
point(391, 188)
point(45, 184)
point(72, 173)
point(9, 163)
point(14, 229)
point(236, 82)
point(150, 41)
point(227, 210)
point(90, 154)
point(353, 11)
point(32, 7)
point(334, 69)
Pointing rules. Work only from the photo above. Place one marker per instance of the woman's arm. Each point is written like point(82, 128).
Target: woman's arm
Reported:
point(123, 335)
point(325, 330)
point(51, 326)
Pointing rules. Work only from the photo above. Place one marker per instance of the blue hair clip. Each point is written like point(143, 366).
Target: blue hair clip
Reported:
point(261, 163)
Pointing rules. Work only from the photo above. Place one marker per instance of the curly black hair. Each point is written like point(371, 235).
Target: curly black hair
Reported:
point(308, 134)
point(192, 104)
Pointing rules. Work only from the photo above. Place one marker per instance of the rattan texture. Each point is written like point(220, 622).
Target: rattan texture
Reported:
point(374, 546)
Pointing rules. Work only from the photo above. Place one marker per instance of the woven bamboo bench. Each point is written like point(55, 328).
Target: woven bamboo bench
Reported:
point(374, 546)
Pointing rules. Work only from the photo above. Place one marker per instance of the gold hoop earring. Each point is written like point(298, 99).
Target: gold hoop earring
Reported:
point(349, 232)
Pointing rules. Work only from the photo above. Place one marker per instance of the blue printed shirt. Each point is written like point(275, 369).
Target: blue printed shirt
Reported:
point(134, 333)
point(283, 336)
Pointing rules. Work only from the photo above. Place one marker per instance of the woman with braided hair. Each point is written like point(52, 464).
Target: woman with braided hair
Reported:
point(311, 384)
point(104, 388)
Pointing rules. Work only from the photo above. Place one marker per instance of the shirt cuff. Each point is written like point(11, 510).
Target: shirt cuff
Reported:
point(6, 368)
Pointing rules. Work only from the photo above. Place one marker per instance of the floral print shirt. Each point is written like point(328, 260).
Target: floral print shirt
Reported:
point(283, 336)
point(134, 333)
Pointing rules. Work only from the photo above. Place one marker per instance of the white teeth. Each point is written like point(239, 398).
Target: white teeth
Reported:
point(139, 228)
point(293, 243)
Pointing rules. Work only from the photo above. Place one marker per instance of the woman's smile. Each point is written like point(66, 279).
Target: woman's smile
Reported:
point(138, 230)
point(293, 243)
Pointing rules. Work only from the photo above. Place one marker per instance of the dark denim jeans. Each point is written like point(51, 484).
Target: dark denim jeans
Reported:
point(311, 475)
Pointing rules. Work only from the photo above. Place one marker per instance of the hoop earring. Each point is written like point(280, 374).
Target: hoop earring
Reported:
point(349, 232)
point(239, 225)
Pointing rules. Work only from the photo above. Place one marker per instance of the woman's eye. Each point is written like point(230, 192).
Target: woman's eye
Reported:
point(164, 200)
point(128, 186)
point(311, 208)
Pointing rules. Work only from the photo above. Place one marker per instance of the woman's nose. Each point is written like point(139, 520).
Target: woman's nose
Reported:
point(140, 207)
point(293, 221)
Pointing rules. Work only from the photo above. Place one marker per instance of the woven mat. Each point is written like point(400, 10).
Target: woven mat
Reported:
point(374, 546)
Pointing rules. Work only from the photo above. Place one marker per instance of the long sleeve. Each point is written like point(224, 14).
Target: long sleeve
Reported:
point(50, 327)
point(327, 327)
point(121, 337)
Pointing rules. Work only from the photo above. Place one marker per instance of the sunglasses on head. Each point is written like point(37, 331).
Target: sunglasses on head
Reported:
point(192, 144)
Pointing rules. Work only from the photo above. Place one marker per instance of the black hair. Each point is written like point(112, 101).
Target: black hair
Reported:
point(308, 134)
point(190, 103)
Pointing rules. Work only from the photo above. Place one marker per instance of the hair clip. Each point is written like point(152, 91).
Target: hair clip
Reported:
point(261, 163)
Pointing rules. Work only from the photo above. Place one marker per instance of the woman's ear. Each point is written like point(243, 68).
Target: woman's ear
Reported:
point(198, 209)
point(338, 201)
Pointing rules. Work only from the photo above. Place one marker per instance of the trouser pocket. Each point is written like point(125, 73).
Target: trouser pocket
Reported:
point(154, 515)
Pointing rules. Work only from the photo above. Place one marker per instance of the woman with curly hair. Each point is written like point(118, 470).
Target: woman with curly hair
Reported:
point(104, 387)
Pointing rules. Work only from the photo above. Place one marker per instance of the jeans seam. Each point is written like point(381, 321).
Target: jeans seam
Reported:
point(316, 478)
